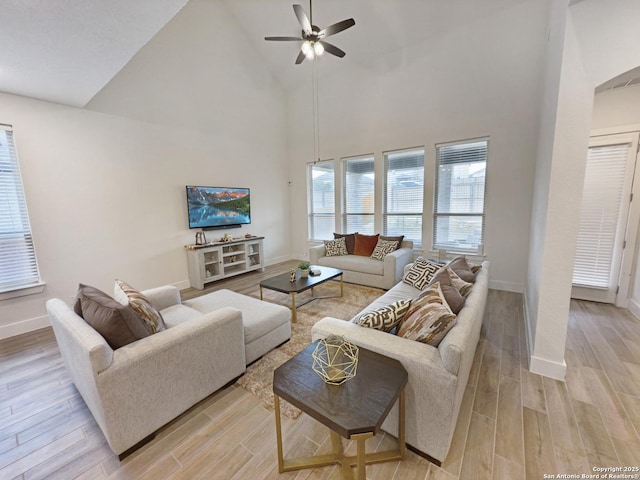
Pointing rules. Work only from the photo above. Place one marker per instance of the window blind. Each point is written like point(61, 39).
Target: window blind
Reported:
point(599, 214)
point(403, 194)
point(322, 201)
point(459, 206)
point(359, 185)
point(18, 266)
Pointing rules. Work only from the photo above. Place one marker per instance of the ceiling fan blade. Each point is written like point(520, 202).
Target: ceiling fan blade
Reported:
point(337, 27)
point(283, 39)
point(332, 49)
point(300, 58)
point(302, 18)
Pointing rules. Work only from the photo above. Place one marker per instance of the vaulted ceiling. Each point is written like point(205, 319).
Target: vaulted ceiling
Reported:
point(66, 51)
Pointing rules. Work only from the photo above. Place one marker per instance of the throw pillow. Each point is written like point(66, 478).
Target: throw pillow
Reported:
point(385, 318)
point(127, 295)
point(398, 239)
point(335, 248)
point(420, 273)
point(463, 287)
point(349, 239)
point(365, 244)
point(454, 298)
point(429, 324)
point(432, 294)
point(463, 269)
point(118, 324)
point(384, 247)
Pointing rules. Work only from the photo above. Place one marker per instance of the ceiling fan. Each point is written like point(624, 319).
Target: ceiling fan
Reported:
point(312, 38)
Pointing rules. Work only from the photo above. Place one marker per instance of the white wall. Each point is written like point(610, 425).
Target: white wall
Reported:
point(480, 79)
point(601, 38)
point(106, 193)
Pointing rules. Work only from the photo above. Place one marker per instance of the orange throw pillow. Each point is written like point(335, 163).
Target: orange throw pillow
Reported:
point(365, 244)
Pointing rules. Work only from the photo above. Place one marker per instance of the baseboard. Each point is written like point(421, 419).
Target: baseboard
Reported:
point(25, 326)
point(634, 308)
point(506, 286)
point(527, 325)
point(548, 368)
point(183, 284)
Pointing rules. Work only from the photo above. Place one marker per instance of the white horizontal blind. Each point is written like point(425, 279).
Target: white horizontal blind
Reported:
point(599, 214)
point(403, 194)
point(359, 186)
point(322, 195)
point(459, 208)
point(18, 267)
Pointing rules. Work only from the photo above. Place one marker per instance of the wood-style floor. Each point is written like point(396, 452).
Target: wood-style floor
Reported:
point(513, 424)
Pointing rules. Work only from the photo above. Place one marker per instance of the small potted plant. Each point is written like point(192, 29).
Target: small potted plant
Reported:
point(304, 268)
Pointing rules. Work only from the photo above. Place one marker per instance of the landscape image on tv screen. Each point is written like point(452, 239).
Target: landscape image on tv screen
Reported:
point(218, 206)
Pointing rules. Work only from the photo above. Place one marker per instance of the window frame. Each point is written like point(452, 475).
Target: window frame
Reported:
point(12, 186)
point(385, 210)
point(345, 196)
point(311, 215)
point(479, 249)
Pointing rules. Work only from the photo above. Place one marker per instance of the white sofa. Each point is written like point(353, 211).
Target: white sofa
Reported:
point(364, 270)
point(437, 376)
point(136, 389)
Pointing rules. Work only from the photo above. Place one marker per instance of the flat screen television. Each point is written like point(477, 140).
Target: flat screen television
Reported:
point(218, 207)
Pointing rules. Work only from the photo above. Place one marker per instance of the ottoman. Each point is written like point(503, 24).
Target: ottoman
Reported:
point(266, 325)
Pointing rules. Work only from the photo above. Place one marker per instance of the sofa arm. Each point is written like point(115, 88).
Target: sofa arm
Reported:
point(155, 379)
point(163, 297)
point(394, 264)
point(315, 253)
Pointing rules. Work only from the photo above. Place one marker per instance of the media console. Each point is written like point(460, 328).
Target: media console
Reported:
point(218, 260)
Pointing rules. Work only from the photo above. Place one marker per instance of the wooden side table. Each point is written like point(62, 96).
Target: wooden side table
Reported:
point(354, 410)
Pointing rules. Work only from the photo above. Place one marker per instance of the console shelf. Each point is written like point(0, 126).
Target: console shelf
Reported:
point(218, 260)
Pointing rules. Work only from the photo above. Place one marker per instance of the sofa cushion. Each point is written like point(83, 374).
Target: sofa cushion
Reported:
point(463, 269)
point(354, 263)
point(463, 287)
point(349, 240)
point(127, 295)
point(385, 318)
point(383, 248)
point(452, 295)
point(421, 272)
point(398, 238)
point(428, 319)
point(177, 314)
point(335, 248)
point(365, 244)
point(118, 324)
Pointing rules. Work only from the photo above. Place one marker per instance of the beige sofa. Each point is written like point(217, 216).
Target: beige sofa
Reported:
point(136, 389)
point(437, 376)
point(364, 270)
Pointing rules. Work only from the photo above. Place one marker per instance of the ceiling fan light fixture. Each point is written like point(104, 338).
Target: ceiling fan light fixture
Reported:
point(318, 49)
point(308, 49)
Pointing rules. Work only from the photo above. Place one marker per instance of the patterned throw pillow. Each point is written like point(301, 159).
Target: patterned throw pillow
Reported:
point(127, 295)
point(384, 247)
point(385, 318)
point(463, 287)
point(454, 298)
point(335, 248)
point(349, 239)
point(420, 273)
point(430, 321)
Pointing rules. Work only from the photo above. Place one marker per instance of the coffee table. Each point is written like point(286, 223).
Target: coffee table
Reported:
point(354, 410)
point(281, 283)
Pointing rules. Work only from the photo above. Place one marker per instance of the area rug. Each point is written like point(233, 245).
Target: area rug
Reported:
point(258, 379)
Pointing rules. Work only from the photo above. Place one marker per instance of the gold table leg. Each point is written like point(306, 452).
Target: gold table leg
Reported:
point(341, 285)
point(276, 405)
point(294, 315)
point(260, 292)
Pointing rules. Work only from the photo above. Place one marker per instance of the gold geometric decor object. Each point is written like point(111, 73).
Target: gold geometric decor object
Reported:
point(335, 359)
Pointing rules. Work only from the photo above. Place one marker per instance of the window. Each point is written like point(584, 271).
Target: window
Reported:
point(18, 267)
point(403, 194)
point(458, 219)
point(322, 201)
point(359, 186)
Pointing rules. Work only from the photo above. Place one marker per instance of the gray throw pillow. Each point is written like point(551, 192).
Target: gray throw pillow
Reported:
point(118, 324)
